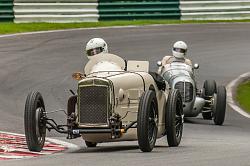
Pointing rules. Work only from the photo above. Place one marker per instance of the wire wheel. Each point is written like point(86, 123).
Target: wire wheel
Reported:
point(34, 122)
point(174, 118)
point(147, 121)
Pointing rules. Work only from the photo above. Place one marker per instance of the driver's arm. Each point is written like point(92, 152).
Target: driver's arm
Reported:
point(188, 62)
point(166, 60)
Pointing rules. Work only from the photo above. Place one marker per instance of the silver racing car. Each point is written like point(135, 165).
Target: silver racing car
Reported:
point(209, 100)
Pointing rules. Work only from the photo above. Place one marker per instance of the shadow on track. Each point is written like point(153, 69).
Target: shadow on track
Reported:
point(113, 148)
point(200, 121)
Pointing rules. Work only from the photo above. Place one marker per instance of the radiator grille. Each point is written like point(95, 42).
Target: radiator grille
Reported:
point(186, 90)
point(93, 103)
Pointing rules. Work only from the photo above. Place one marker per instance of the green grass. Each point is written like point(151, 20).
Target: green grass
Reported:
point(243, 95)
point(8, 28)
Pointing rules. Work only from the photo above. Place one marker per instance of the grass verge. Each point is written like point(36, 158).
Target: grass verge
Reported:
point(243, 95)
point(8, 28)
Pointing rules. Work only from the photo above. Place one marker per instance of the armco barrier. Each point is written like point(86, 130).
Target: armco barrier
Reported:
point(138, 9)
point(94, 10)
point(6, 10)
point(215, 9)
point(55, 11)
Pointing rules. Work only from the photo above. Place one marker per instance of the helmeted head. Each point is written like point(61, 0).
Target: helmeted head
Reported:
point(179, 49)
point(96, 46)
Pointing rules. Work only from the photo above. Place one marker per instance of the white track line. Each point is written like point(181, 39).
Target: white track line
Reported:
point(231, 88)
point(67, 144)
point(114, 27)
point(14, 157)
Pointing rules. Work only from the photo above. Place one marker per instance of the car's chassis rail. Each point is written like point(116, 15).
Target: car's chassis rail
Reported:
point(74, 132)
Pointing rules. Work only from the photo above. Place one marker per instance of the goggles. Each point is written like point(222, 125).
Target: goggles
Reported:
point(180, 50)
point(94, 51)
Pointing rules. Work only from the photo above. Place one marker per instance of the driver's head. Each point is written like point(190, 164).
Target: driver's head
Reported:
point(96, 46)
point(179, 49)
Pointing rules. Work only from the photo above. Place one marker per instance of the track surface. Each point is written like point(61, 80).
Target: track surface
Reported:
point(45, 62)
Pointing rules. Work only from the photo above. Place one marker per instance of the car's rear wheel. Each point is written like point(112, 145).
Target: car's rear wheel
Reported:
point(209, 87)
point(90, 144)
point(147, 120)
point(220, 106)
point(34, 122)
point(174, 118)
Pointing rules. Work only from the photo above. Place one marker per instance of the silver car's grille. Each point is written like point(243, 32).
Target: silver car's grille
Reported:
point(186, 90)
point(93, 104)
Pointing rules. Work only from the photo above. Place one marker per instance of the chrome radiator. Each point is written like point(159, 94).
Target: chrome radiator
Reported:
point(94, 104)
point(186, 90)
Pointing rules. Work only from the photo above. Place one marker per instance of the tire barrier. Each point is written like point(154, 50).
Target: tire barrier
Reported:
point(138, 9)
point(55, 11)
point(215, 9)
point(6, 10)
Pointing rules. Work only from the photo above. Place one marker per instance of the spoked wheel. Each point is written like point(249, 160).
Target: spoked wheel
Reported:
point(220, 105)
point(90, 144)
point(147, 120)
point(34, 122)
point(174, 118)
point(209, 87)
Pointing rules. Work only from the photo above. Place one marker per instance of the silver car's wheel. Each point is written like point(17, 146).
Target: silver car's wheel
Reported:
point(209, 90)
point(209, 87)
point(220, 106)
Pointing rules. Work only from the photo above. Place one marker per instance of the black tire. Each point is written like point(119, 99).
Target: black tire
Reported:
point(147, 121)
point(209, 87)
point(220, 107)
point(90, 144)
point(174, 118)
point(34, 124)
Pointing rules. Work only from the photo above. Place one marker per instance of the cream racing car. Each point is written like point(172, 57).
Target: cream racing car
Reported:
point(115, 101)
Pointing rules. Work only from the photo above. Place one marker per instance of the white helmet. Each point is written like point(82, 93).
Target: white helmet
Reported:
point(179, 49)
point(96, 46)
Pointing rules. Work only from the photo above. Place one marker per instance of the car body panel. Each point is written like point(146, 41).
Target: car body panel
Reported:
point(126, 88)
point(182, 74)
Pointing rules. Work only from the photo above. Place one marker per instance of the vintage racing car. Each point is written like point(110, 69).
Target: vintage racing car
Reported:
point(115, 101)
point(210, 100)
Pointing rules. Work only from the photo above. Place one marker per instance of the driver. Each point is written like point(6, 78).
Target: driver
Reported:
point(179, 52)
point(100, 59)
point(96, 46)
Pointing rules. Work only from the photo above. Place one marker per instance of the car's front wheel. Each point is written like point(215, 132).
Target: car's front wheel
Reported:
point(209, 87)
point(147, 120)
point(220, 106)
point(34, 122)
point(174, 118)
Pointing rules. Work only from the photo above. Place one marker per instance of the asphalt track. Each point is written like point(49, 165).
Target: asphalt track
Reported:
point(45, 62)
